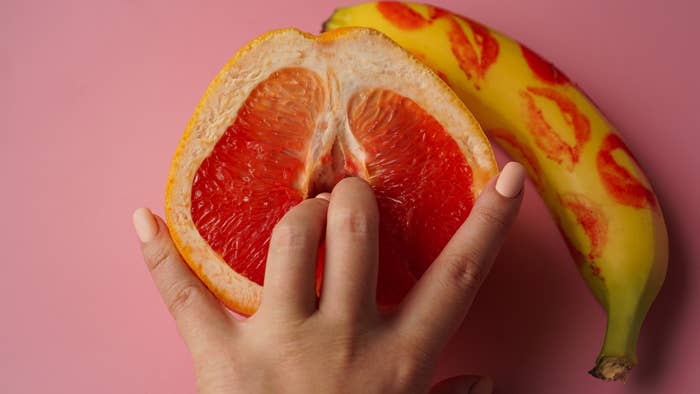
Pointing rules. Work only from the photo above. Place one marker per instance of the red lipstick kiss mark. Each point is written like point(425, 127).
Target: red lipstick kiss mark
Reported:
point(474, 60)
point(401, 15)
point(437, 12)
point(543, 69)
point(590, 216)
point(618, 181)
point(546, 138)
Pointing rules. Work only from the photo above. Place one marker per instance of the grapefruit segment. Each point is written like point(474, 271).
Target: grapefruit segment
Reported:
point(287, 118)
point(421, 181)
point(253, 175)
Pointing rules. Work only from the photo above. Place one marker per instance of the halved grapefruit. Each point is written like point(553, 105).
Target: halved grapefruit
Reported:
point(288, 117)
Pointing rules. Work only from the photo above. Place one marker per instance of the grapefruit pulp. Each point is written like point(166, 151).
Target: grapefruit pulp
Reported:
point(288, 117)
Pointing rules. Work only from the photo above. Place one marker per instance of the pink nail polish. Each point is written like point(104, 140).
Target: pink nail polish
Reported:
point(511, 180)
point(145, 224)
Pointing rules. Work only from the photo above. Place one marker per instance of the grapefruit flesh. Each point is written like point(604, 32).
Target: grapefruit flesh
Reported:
point(421, 180)
point(247, 184)
point(256, 170)
point(258, 146)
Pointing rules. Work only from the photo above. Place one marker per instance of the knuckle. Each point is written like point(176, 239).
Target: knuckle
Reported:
point(465, 271)
point(157, 256)
point(289, 236)
point(182, 295)
point(351, 341)
point(491, 217)
point(411, 367)
point(349, 347)
point(354, 222)
point(345, 354)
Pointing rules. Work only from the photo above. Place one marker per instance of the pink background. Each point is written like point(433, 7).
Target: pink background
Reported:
point(95, 96)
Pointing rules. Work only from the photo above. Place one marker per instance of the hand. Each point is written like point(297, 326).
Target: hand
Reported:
point(341, 343)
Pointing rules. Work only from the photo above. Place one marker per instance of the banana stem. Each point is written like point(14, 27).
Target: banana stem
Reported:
point(611, 368)
point(619, 354)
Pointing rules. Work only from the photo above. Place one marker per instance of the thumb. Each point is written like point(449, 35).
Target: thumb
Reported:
point(464, 384)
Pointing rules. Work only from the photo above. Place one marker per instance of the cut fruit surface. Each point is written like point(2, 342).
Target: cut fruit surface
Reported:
point(291, 115)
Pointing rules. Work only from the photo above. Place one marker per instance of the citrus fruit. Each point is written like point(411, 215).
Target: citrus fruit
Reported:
point(289, 116)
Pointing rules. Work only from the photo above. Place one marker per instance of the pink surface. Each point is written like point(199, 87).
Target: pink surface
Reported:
point(95, 96)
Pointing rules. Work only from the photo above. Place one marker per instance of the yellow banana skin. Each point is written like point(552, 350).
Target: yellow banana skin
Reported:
point(591, 183)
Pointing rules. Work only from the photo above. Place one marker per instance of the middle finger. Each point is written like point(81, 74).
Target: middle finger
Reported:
point(352, 232)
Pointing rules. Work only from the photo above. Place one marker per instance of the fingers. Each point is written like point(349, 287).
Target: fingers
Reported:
point(445, 292)
point(290, 273)
point(464, 384)
point(195, 310)
point(352, 232)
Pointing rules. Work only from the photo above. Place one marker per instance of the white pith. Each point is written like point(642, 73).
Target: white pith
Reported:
point(356, 61)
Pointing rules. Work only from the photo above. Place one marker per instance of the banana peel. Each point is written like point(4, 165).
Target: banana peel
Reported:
point(594, 188)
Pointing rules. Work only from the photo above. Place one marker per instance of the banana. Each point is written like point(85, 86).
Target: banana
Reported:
point(593, 186)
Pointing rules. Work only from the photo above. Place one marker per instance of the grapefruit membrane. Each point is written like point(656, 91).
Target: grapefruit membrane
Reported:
point(289, 116)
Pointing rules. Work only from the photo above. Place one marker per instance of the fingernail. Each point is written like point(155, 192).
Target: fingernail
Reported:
point(510, 180)
point(324, 196)
point(483, 386)
point(144, 225)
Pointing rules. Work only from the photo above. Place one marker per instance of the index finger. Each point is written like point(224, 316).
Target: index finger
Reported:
point(454, 278)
